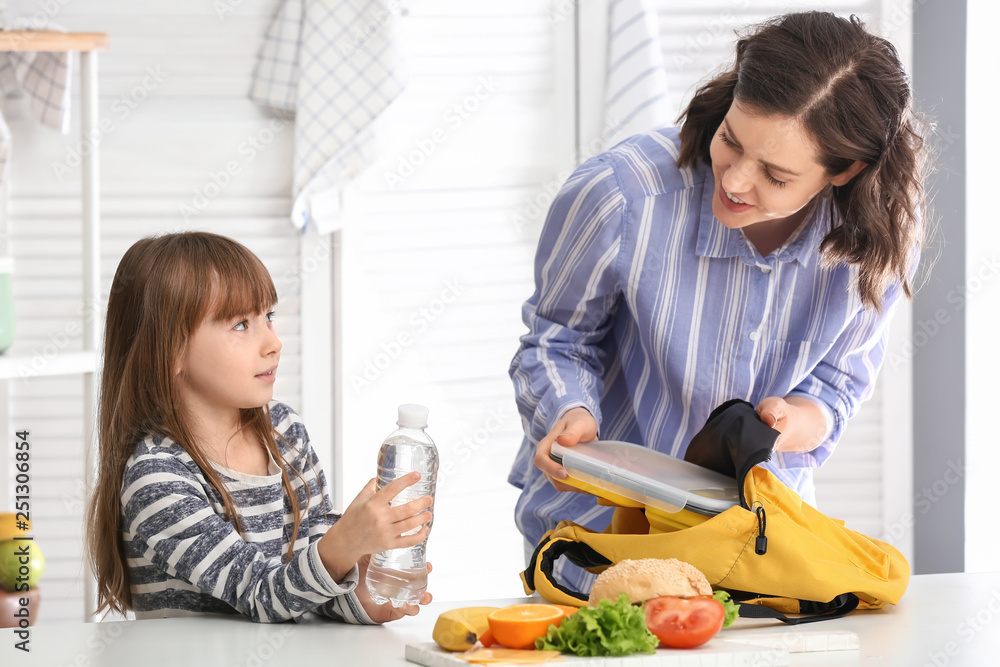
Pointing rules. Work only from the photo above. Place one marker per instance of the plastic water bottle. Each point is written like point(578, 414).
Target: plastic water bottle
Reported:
point(399, 576)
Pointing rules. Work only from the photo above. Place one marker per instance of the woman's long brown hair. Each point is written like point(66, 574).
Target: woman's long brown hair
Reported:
point(853, 96)
point(163, 289)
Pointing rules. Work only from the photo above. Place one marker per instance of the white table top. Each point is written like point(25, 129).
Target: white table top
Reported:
point(944, 619)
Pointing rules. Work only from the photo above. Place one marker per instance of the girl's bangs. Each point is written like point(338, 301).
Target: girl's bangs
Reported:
point(240, 287)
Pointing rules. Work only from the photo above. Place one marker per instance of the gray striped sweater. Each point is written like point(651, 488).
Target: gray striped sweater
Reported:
point(184, 559)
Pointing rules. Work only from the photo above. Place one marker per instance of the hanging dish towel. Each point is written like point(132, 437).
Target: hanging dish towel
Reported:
point(635, 93)
point(333, 64)
point(43, 77)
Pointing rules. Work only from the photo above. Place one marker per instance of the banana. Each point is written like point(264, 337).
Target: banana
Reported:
point(459, 629)
point(8, 527)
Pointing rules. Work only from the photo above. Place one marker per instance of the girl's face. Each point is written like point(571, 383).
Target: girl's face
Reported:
point(229, 365)
point(766, 170)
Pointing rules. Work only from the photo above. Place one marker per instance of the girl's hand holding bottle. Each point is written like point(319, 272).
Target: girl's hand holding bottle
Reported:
point(370, 525)
point(383, 613)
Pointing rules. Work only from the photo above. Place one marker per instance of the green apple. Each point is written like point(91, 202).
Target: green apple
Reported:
point(21, 562)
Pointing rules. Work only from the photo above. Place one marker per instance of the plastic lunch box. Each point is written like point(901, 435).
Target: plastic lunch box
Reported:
point(674, 493)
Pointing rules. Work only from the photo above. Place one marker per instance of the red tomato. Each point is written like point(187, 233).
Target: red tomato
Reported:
point(684, 622)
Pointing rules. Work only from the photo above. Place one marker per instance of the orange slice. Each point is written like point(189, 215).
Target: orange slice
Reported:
point(518, 626)
point(568, 610)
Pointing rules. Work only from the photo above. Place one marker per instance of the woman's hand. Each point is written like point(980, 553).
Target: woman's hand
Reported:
point(576, 426)
point(799, 420)
point(369, 525)
point(383, 613)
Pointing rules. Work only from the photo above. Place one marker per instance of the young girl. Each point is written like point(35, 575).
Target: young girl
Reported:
point(757, 251)
point(209, 496)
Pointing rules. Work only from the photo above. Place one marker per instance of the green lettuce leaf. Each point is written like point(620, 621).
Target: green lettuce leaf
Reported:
point(732, 608)
point(610, 628)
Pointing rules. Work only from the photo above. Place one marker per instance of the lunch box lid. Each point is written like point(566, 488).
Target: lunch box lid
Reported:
point(648, 476)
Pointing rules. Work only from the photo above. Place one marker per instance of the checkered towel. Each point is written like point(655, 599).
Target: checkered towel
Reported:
point(335, 66)
point(636, 85)
point(44, 77)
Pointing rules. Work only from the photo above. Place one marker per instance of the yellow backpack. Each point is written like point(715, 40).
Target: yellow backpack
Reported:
point(772, 551)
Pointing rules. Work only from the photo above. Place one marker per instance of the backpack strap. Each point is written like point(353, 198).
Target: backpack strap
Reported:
point(810, 611)
point(539, 573)
point(539, 576)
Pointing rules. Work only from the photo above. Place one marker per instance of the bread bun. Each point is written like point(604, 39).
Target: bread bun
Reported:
point(648, 578)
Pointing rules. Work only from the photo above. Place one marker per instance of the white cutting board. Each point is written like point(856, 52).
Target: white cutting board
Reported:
point(714, 654)
point(792, 639)
point(748, 643)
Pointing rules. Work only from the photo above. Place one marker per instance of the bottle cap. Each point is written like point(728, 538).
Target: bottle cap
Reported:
point(412, 415)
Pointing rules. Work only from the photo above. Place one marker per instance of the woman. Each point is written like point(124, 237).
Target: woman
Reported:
point(756, 252)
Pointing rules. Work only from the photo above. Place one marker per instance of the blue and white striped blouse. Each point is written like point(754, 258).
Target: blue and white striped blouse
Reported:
point(184, 559)
point(650, 313)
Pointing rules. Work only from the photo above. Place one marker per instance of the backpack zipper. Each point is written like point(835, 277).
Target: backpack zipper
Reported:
point(760, 546)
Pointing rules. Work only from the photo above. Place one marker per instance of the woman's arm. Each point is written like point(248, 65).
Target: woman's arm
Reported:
point(558, 366)
point(813, 416)
point(801, 421)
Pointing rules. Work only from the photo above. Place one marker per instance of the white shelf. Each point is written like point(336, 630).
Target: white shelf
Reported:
point(15, 366)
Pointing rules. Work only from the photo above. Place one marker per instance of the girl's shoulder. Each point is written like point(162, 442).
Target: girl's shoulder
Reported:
point(294, 440)
point(159, 455)
point(158, 446)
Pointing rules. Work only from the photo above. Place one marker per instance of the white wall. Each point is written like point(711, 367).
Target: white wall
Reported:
point(982, 553)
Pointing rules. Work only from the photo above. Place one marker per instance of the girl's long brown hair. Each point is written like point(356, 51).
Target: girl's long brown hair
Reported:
point(163, 289)
point(853, 96)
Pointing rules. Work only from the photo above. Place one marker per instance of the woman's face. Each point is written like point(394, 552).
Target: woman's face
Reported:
point(766, 169)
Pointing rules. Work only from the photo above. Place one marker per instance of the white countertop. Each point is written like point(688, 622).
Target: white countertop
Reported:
point(944, 619)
